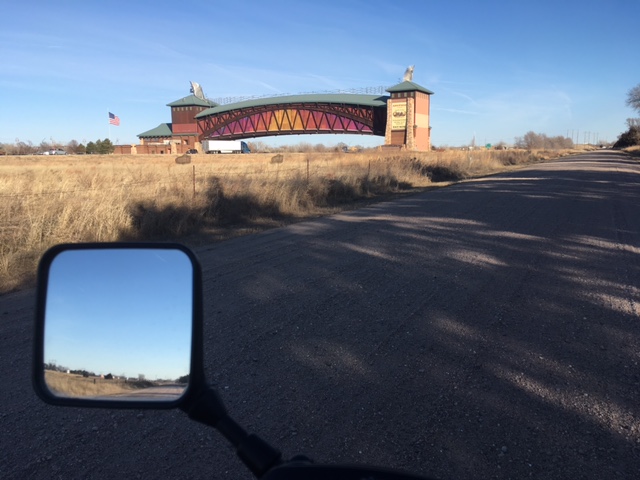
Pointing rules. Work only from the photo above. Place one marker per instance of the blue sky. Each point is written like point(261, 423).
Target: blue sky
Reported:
point(123, 312)
point(498, 68)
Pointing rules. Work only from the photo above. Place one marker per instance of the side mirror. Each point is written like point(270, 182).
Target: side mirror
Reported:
point(118, 325)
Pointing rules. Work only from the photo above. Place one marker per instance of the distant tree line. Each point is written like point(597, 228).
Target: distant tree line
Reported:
point(141, 376)
point(20, 147)
point(532, 140)
point(631, 137)
point(100, 147)
point(59, 368)
point(257, 146)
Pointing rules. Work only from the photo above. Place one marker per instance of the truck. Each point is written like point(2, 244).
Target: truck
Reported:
point(225, 146)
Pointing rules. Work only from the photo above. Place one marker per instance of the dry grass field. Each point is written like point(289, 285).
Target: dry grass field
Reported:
point(72, 385)
point(48, 200)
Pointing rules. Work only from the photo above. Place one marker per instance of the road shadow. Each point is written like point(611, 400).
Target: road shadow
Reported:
point(485, 330)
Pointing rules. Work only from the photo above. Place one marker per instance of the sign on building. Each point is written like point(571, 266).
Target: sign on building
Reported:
point(399, 115)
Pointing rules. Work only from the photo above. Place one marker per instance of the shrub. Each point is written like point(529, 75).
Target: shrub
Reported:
point(629, 138)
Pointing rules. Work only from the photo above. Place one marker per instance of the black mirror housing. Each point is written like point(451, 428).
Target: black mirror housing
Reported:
point(118, 325)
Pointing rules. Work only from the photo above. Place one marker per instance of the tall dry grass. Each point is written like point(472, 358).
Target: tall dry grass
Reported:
point(72, 385)
point(49, 200)
point(633, 151)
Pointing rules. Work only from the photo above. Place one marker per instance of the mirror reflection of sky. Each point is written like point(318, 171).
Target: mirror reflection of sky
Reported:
point(120, 311)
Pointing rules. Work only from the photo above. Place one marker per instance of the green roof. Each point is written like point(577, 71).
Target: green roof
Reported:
point(190, 101)
point(407, 86)
point(162, 130)
point(340, 98)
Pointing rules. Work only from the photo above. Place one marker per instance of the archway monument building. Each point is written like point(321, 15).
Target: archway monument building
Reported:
point(402, 117)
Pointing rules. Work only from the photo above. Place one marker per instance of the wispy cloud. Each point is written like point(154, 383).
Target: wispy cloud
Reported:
point(538, 106)
point(454, 110)
point(326, 81)
point(389, 68)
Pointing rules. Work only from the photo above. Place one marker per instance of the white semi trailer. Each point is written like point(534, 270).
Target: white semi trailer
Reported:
point(225, 146)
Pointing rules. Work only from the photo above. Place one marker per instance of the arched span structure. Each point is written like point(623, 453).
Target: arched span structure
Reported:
point(296, 114)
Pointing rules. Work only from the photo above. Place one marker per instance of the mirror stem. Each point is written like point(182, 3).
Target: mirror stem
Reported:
point(255, 453)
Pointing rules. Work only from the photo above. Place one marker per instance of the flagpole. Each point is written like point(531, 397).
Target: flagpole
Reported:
point(109, 121)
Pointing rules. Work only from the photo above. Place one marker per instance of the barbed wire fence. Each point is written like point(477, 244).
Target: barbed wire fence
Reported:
point(195, 177)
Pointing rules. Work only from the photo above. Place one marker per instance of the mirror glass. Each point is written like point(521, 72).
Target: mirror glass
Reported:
point(118, 324)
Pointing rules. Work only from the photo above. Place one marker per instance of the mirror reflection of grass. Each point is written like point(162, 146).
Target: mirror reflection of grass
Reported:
point(74, 385)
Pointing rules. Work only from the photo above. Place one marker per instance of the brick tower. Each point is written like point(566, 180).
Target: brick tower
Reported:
point(408, 113)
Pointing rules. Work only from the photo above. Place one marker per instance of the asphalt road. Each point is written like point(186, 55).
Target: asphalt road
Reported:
point(486, 330)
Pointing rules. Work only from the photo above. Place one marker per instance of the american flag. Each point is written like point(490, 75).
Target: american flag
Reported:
point(114, 119)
